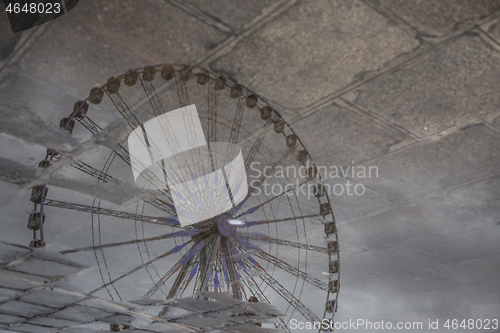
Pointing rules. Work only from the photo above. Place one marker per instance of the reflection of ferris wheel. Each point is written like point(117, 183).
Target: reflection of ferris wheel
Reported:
point(268, 235)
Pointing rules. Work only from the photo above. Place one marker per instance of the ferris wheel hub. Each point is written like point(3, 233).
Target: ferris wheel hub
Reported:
point(224, 225)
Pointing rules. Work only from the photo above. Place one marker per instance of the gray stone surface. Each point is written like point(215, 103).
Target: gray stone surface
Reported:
point(484, 270)
point(8, 40)
point(494, 29)
point(409, 284)
point(10, 252)
point(439, 18)
point(30, 328)
point(163, 327)
point(196, 305)
point(347, 204)
point(481, 198)
point(52, 298)
point(234, 14)
point(496, 121)
point(474, 243)
point(8, 280)
point(203, 321)
point(411, 222)
point(52, 322)
point(6, 319)
point(22, 119)
point(337, 136)
point(7, 294)
point(394, 260)
point(466, 155)
point(45, 268)
point(22, 309)
point(79, 313)
point(448, 87)
point(16, 173)
point(95, 41)
point(314, 49)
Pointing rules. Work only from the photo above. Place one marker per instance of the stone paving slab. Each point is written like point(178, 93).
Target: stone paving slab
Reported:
point(394, 260)
point(468, 154)
point(30, 328)
point(45, 268)
point(348, 205)
point(473, 301)
point(478, 242)
point(234, 14)
point(474, 271)
point(435, 18)
point(496, 121)
point(10, 282)
point(50, 255)
point(354, 274)
point(50, 298)
point(163, 327)
point(8, 40)
point(408, 222)
point(22, 309)
point(202, 321)
point(96, 41)
point(52, 322)
point(79, 313)
point(32, 111)
point(314, 49)
point(6, 319)
point(337, 136)
point(7, 294)
point(493, 28)
point(408, 284)
point(10, 252)
point(482, 198)
point(449, 87)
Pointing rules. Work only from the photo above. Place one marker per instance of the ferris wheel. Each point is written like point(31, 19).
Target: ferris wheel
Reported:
point(226, 198)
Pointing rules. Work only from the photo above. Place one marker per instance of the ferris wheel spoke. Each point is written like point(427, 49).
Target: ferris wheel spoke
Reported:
point(123, 109)
point(284, 293)
point(111, 212)
point(246, 244)
point(254, 288)
point(228, 264)
point(193, 272)
point(196, 250)
point(122, 152)
point(169, 274)
point(212, 113)
point(182, 92)
point(184, 265)
point(262, 237)
point(208, 268)
point(180, 279)
point(172, 251)
point(238, 117)
point(162, 205)
point(90, 125)
point(154, 101)
point(90, 170)
point(292, 270)
point(189, 232)
point(295, 218)
point(257, 143)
